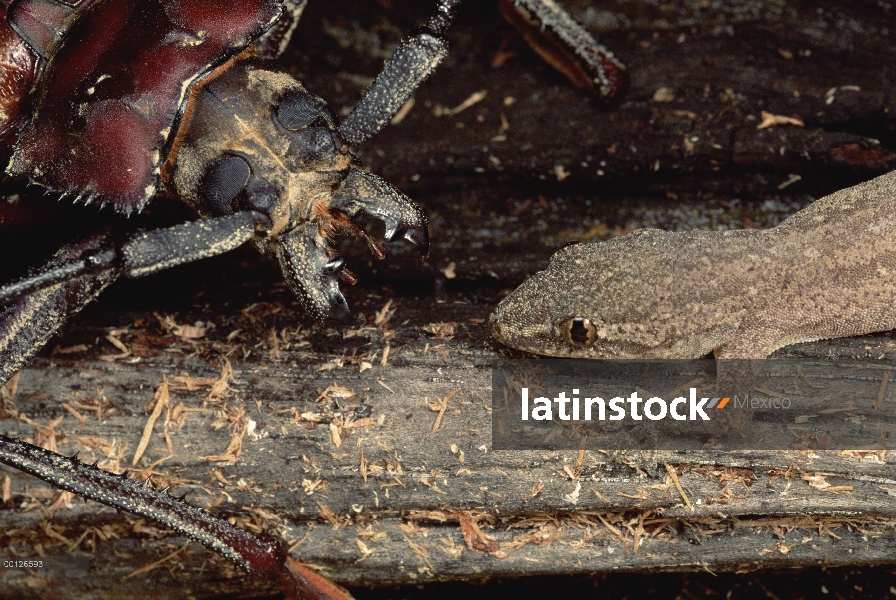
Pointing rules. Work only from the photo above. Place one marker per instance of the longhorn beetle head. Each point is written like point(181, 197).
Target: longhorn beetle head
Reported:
point(257, 141)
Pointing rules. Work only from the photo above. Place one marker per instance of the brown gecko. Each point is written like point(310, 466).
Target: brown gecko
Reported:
point(827, 271)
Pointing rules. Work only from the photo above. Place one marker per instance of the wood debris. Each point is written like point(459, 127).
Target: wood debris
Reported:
point(113, 339)
point(221, 387)
point(770, 120)
point(9, 389)
point(442, 331)
point(161, 401)
point(472, 100)
point(440, 407)
point(158, 563)
point(818, 481)
point(235, 447)
point(674, 476)
point(475, 538)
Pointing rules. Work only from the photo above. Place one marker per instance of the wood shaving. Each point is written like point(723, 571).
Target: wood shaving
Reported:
point(674, 476)
point(440, 407)
point(235, 447)
point(770, 120)
point(161, 401)
point(474, 537)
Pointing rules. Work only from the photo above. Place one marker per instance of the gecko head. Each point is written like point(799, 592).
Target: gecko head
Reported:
point(591, 302)
point(541, 316)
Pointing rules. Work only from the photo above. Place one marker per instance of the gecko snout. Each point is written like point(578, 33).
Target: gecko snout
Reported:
point(523, 319)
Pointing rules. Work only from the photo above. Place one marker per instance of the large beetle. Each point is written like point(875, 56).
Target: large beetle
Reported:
point(116, 101)
point(135, 97)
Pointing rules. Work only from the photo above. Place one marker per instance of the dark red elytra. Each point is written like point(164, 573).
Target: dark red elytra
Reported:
point(18, 65)
point(111, 97)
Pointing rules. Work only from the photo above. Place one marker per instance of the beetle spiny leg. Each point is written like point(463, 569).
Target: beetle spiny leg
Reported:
point(153, 251)
point(567, 46)
point(261, 555)
point(311, 271)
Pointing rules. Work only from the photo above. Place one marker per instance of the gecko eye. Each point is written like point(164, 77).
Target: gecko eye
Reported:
point(580, 332)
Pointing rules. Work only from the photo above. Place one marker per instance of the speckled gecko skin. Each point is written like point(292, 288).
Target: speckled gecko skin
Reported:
point(828, 271)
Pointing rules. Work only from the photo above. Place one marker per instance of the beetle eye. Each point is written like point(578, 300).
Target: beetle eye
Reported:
point(297, 110)
point(223, 181)
point(580, 332)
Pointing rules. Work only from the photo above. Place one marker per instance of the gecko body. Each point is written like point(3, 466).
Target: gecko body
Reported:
point(827, 271)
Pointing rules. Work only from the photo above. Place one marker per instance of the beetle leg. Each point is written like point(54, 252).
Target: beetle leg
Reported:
point(40, 304)
point(154, 251)
point(566, 45)
point(27, 323)
point(415, 60)
point(255, 554)
point(260, 555)
point(143, 254)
